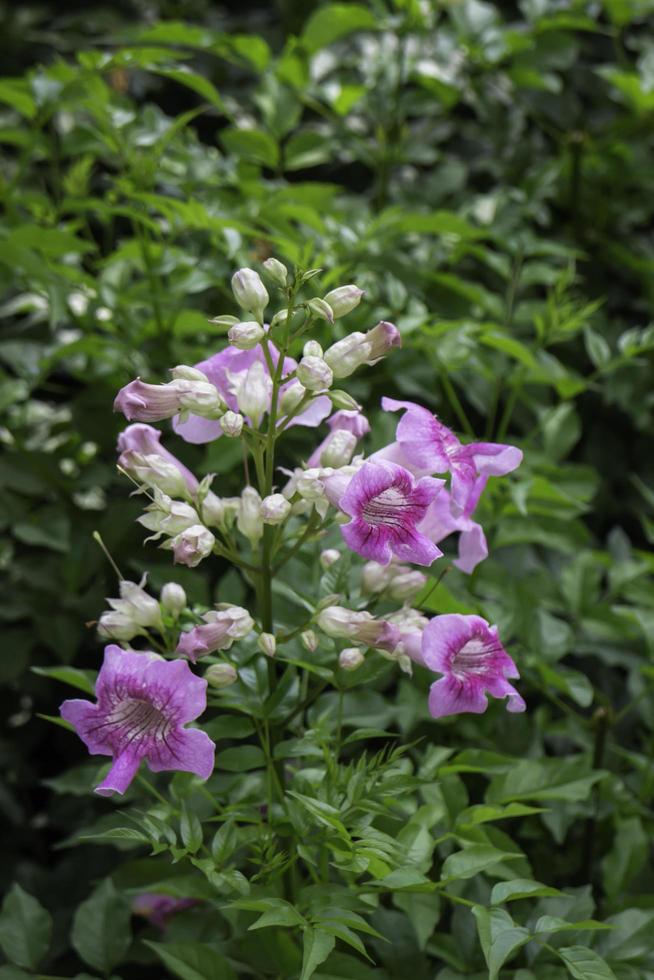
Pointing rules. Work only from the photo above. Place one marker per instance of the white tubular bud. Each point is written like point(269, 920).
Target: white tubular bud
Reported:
point(249, 292)
point(322, 309)
point(246, 335)
point(267, 644)
point(350, 659)
point(196, 393)
point(361, 626)
point(224, 320)
point(343, 401)
point(144, 608)
point(329, 557)
point(346, 355)
point(376, 577)
point(276, 270)
point(292, 397)
point(275, 508)
point(232, 424)
point(344, 299)
point(314, 373)
point(312, 349)
point(309, 640)
point(249, 520)
point(155, 471)
point(254, 392)
point(339, 449)
point(166, 516)
point(183, 372)
point(406, 584)
point(173, 598)
point(220, 675)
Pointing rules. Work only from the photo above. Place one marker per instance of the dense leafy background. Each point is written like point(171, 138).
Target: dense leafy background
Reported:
point(484, 171)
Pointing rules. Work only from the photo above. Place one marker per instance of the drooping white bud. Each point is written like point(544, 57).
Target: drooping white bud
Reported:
point(342, 623)
point(322, 309)
point(196, 393)
point(344, 299)
point(166, 516)
point(249, 292)
point(346, 355)
point(276, 270)
point(267, 644)
point(406, 584)
point(350, 658)
point(220, 675)
point(339, 449)
point(246, 335)
point(131, 614)
point(309, 640)
point(219, 511)
point(312, 349)
point(232, 424)
point(183, 372)
point(154, 470)
point(275, 508)
point(292, 397)
point(191, 546)
point(329, 557)
point(314, 373)
point(173, 598)
point(249, 520)
point(376, 577)
point(254, 390)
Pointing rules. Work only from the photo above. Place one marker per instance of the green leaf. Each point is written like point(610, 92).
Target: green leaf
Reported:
point(193, 961)
point(317, 947)
point(499, 936)
point(252, 144)
point(333, 21)
point(510, 891)
point(553, 923)
point(197, 83)
point(242, 758)
point(25, 928)
point(473, 860)
point(83, 680)
point(585, 964)
point(101, 928)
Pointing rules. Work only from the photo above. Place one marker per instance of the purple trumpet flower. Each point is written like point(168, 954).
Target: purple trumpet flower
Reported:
point(140, 440)
point(143, 703)
point(223, 371)
point(469, 654)
point(439, 522)
point(386, 504)
point(425, 445)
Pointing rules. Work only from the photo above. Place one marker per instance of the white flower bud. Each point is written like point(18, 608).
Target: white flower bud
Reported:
point(376, 577)
point(166, 516)
point(191, 546)
point(220, 675)
point(314, 373)
point(346, 355)
point(350, 659)
point(276, 270)
point(321, 309)
point(267, 644)
point(249, 520)
point(275, 508)
point(361, 626)
point(232, 424)
point(280, 317)
point(406, 584)
point(292, 397)
point(196, 393)
point(185, 373)
point(344, 299)
point(131, 614)
point(173, 598)
point(219, 511)
point(156, 471)
point(224, 320)
point(249, 292)
point(114, 625)
point(329, 557)
point(309, 640)
point(312, 349)
point(246, 335)
point(343, 401)
point(339, 449)
point(254, 390)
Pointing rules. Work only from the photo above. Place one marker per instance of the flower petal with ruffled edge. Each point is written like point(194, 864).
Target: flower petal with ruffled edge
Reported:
point(469, 654)
point(143, 703)
point(386, 504)
point(439, 523)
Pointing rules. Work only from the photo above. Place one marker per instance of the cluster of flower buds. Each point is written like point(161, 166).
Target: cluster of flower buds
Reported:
point(136, 611)
point(396, 580)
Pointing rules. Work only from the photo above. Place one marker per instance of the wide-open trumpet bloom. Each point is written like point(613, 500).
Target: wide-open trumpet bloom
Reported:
point(473, 662)
point(143, 704)
point(386, 504)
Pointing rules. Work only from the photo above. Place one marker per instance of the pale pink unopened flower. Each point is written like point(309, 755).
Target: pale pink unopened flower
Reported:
point(344, 299)
point(473, 662)
point(134, 612)
point(314, 373)
point(143, 704)
point(220, 675)
point(346, 355)
point(386, 504)
point(274, 509)
point(173, 598)
point(361, 626)
point(189, 391)
point(425, 445)
point(191, 546)
point(245, 335)
point(219, 630)
point(140, 441)
point(350, 658)
point(249, 292)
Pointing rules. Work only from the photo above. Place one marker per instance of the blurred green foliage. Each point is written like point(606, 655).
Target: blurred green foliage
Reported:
point(483, 171)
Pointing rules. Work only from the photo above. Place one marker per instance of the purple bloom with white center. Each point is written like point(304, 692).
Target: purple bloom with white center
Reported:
point(469, 654)
point(144, 440)
point(143, 703)
point(386, 503)
point(439, 522)
point(427, 446)
point(224, 370)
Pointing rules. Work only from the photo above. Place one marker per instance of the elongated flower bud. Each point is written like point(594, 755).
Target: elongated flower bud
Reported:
point(220, 675)
point(249, 292)
point(309, 640)
point(225, 320)
point(343, 401)
point(276, 270)
point(232, 424)
point(344, 299)
point(220, 511)
point(245, 336)
point(254, 392)
point(346, 355)
point(154, 471)
point(292, 397)
point(342, 623)
point(322, 309)
point(339, 449)
point(350, 658)
point(218, 631)
point(173, 598)
point(267, 644)
point(314, 373)
point(329, 557)
point(275, 508)
point(249, 520)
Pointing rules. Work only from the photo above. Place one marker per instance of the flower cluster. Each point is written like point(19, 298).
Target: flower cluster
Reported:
point(392, 508)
